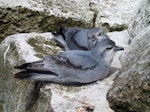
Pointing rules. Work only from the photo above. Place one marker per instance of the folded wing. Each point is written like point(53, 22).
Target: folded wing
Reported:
point(63, 64)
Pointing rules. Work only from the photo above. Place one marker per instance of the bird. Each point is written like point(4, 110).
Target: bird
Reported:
point(72, 67)
point(76, 38)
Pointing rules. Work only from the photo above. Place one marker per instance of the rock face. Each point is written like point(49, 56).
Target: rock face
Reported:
point(24, 16)
point(131, 88)
point(42, 16)
point(22, 19)
point(23, 96)
point(141, 19)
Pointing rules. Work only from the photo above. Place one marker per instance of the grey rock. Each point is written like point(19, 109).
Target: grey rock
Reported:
point(131, 88)
point(42, 16)
point(141, 19)
point(130, 91)
point(15, 95)
point(23, 19)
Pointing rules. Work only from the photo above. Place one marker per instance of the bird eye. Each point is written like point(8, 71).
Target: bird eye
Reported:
point(109, 48)
point(99, 34)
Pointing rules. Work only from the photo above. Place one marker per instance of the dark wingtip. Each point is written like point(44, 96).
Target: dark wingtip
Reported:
point(17, 67)
point(23, 66)
point(61, 28)
point(22, 75)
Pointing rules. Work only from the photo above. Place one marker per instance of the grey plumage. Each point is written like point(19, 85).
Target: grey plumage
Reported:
point(75, 38)
point(73, 66)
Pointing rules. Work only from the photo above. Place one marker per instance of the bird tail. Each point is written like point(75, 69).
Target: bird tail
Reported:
point(30, 69)
point(37, 76)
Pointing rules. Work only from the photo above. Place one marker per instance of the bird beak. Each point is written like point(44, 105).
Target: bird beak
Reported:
point(117, 48)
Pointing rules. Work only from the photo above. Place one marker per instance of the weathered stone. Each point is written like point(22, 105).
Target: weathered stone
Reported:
point(122, 39)
point(131, 88)
point(21, 19)
point(115, 15)
point(42, 16)
point(17, 95)
point(141, 19)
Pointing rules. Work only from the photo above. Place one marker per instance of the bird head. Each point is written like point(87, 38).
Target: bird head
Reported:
point(106, 49)
point(95, 35)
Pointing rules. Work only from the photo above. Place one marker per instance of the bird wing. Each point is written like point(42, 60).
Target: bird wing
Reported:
point(37, 66)
point(81, 39)
point(71, 60)
point(69, 34)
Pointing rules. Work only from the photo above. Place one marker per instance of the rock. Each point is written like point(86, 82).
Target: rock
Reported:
point(115, 15)
point(17, 95)
point(141, 20)
point(131, 88)
point(78, 99)
point(123, 39)
point(27, 19)
point(42, 16)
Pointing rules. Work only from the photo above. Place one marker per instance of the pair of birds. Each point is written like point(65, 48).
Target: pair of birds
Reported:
point(88, 56)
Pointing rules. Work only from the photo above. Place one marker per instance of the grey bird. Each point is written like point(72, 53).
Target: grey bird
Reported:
point(75, 38)
point(72, 66)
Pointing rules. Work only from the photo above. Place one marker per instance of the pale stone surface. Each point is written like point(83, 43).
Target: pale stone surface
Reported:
point(26, 16)
point(121, 38)
point(68, 99)
point(141, 19)
point(17, 95)
point(114, 15)
point(131, 88)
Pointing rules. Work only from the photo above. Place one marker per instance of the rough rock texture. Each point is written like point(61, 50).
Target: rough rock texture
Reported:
point(131, 88)
point(21, 19)
point(123, 39)
point(141, 19)
point(42, 16)
point(115, 15)
point(19, 16)
point(17, 95)
point(130, 91)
